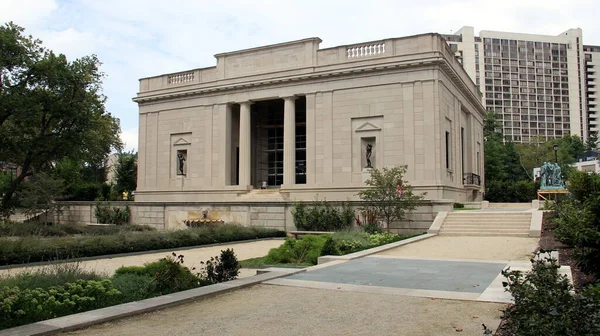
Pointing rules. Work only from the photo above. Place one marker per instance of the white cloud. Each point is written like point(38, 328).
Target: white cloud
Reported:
point(130, 139)
point(26, 12)
point(142, 38)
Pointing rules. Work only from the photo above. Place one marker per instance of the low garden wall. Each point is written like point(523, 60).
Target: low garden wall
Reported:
point(276, 215)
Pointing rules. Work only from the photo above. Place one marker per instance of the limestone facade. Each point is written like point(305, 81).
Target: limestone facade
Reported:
point(297, 119)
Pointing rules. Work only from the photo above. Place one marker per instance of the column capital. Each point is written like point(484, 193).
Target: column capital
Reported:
point(289, 97)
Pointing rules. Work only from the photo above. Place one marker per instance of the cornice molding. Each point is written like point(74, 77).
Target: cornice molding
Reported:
point(436, 61)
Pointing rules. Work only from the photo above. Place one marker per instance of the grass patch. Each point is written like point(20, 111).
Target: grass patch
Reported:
point(34, 249)
point(51, 275)
point(307, 250)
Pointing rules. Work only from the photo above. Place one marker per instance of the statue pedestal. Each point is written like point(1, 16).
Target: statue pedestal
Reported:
point(366, 174)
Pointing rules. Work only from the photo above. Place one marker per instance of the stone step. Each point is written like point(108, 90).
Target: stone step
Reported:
point(473, 226)
point(488, 220)
point(485, 234)
point(482, 229)
point(489, 213)
point(509, 205)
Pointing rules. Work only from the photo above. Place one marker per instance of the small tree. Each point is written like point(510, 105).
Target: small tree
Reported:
point(388, 195)
point(41, 194)
point(126, 172)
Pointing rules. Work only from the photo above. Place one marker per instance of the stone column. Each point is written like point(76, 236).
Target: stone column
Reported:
point(245, 138)
point(289, 141)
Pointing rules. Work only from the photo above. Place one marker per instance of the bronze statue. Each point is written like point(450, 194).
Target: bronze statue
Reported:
point(368, 155)
point(181, 159)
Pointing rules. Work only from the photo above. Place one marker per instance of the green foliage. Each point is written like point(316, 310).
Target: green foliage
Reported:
point(20, 306)
point(545, 304)
point(592, 142)
point(49, 276)
point(578, 220)
point(330, 247)
point(134, 287)
point(511, 191)
point(382, 194)
point(322, 216)
point(309, 248)
point(458, 206)
point(33, 249)
point(112, 215)
point(297, 251)
point(369, 223)
point(12, 229)
point(50, 108)
point(126, 172)
point(222, 268)
point(41, 193)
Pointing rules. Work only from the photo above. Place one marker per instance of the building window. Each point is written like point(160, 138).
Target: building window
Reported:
point(447, 150)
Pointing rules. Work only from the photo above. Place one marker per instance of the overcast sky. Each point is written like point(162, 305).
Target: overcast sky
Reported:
point(142, 38)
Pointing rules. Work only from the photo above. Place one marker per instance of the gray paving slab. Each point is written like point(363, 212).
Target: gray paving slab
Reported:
point(470, 277)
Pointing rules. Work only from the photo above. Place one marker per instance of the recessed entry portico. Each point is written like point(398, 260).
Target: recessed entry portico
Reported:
point(268, 142)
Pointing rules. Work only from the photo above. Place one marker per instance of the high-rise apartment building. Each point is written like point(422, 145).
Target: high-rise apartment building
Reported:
point(592, 64)
point(538, 85)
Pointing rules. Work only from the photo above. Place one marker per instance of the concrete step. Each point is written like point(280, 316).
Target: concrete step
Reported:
point(509, 205)
point(485, 234)
point(489, 213)
point(473, 225)
point(481, 229)
point(489, 219)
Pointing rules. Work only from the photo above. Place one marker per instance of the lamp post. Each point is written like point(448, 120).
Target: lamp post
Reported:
point(555, 155)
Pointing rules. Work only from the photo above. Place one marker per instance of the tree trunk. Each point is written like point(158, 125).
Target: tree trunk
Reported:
point(14, 184)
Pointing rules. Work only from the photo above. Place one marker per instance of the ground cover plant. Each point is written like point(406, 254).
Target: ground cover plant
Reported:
point(14, 229)
point(34, 249)
point(306, 250)
point(65, 289)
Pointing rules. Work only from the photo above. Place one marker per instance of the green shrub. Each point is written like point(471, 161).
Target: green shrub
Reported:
point(322, 216)
point(545, 305)
point(458, 206)
point(171, 276)
point(112, 215)
point(13, 229)
point(330, 247)
point(297, 251)
point(34, 249)
point(222, 268)
point(21, 306)
point(134, 287)
point(511, 191)
point(46, 277)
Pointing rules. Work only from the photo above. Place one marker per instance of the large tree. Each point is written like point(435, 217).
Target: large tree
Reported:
point(126, 172)
point(50, 108)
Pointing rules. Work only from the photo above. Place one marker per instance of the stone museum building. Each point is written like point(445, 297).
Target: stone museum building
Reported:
point(291, 121)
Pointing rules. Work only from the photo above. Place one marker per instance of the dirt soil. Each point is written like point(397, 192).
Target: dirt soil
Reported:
point(565, 254)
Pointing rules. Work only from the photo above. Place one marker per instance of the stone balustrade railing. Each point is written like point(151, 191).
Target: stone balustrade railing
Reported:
point(366, 50)
point(180, 78)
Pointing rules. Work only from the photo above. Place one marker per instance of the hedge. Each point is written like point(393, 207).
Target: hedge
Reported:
point(35, 249)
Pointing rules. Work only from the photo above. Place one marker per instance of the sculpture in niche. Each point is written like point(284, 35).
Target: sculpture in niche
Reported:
point(368, 154)
point(181, 160)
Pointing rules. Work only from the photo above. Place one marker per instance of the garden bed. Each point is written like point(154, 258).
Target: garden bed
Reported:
point(306, 250)
point(29, 229)
point(38, 249)
point(566, 254)
point(65, 289)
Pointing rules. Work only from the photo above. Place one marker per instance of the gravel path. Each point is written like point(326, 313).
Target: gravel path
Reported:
point(192, 257)
point(479, 248)
point(278, 310)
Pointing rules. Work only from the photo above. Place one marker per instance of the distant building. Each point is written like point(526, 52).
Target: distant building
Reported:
point(538, 85)
point(111, 168)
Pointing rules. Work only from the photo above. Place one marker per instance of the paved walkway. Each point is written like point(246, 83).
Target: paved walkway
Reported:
point(402, 291)
point(282, 310)
point(444, 267)
point(192, 257)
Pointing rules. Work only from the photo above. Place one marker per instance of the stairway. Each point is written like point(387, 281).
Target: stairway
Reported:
point(510, 206)
point(263, 195)
point(480, 223)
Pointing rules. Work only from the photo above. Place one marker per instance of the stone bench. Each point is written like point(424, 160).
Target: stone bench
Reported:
point(303, 233)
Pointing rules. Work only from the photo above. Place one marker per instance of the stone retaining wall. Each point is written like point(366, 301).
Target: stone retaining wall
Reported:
point(277, 215)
